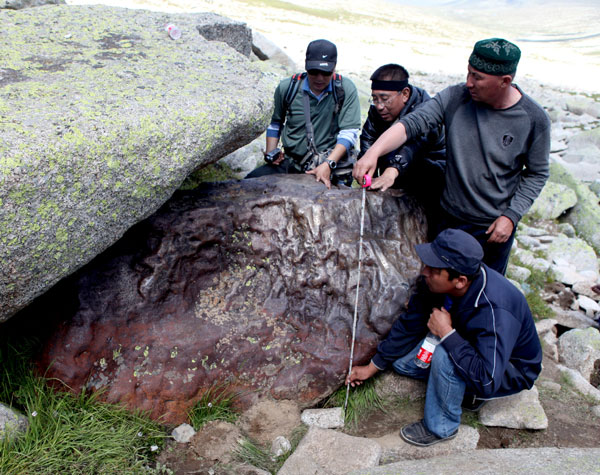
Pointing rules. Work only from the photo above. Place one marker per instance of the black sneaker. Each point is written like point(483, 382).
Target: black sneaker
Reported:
point(471, 403)
point(417, 434)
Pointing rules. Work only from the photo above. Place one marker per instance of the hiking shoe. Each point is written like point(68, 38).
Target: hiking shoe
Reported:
point(471, 403)
point(417, 434)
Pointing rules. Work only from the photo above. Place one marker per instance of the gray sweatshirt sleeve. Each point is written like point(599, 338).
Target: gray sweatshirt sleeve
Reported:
point(426, 117)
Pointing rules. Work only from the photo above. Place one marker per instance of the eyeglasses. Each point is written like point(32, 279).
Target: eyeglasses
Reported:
point(382, 102)
point(317, 72)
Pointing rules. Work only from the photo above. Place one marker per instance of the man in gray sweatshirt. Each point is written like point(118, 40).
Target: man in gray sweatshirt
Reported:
point(497, 148)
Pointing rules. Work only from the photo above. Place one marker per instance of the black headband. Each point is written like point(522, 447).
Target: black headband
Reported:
point(378, 85)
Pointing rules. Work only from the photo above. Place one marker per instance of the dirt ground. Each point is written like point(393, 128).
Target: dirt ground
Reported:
point(571, 423)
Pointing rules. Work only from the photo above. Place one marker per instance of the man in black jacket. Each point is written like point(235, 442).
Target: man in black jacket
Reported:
point(417, 166)
point(489, 346)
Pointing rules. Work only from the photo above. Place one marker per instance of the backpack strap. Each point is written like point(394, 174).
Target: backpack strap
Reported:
point(291, 92)
point(338, 92)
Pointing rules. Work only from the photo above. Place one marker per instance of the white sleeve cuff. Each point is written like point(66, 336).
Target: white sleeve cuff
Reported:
point(448, 334)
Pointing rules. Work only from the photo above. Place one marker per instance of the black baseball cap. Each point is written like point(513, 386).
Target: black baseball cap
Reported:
point(454, 249)
point(321, 55)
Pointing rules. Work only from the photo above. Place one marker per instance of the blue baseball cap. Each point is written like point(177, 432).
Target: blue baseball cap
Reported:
point(454, 249)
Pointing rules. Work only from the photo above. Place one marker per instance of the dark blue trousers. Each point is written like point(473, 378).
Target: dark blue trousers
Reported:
point(495, 255)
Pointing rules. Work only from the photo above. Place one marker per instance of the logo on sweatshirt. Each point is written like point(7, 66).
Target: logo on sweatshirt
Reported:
point(507, 140)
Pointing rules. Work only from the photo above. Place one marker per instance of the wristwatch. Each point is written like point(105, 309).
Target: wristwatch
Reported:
point(332, 164)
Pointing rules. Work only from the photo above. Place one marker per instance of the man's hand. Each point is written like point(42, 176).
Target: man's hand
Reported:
point(279, 158)
point(322, 174)
point(440, 322)
point(360, 374)
point(387, 179)
point(271, 144)
point(391, 139)
point(500, 230)
point(365, 166)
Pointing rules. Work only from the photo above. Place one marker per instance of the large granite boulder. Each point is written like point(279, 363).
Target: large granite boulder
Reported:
point(250, 283)
point(236, 34)
point(572, 256)
point(583, 154)
point(519, 411)
point(102, 117)
point(585, 215)
point(580, 350)
point(553, 201)
point(20, 4)
point(265, 49)
point(325, 451)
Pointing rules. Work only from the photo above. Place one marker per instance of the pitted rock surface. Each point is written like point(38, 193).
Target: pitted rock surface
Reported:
point(103, 116)
point(251, 282)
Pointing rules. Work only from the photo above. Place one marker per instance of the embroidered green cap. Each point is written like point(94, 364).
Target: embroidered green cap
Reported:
point(495, 56)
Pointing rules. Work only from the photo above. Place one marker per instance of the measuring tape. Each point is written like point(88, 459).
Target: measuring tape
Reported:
point(365, 185)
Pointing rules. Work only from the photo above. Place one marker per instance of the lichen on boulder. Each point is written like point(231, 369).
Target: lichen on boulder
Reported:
point(585, 215)
point(103, 116)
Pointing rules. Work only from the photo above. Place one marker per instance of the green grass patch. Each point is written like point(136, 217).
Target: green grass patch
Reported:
point(215, 404)
point(536, 280)
point(361, 401)
point(70, 433)
point(539, 279)
point(472, 419)
point(539, 308)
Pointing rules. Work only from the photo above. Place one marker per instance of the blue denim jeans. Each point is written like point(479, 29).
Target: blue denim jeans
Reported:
point(445, 389)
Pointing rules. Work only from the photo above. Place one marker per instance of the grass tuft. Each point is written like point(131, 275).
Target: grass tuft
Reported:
point(253, 454)
point(361, 401)
point(215, 404)
point(257, 456)
point(70, 433)
point(472, 419)
point(539, 308)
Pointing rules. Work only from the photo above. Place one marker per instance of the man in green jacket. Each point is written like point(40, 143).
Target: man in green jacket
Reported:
point(335, 117)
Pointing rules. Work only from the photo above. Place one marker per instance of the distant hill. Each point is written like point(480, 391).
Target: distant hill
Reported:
point(484, 4)
point(559, 39)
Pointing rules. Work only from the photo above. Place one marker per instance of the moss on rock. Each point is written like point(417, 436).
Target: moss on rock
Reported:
point(585, 215)
point(103, 116)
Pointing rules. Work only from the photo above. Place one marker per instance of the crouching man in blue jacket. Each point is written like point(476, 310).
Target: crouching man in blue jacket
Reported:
point(489, 346)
